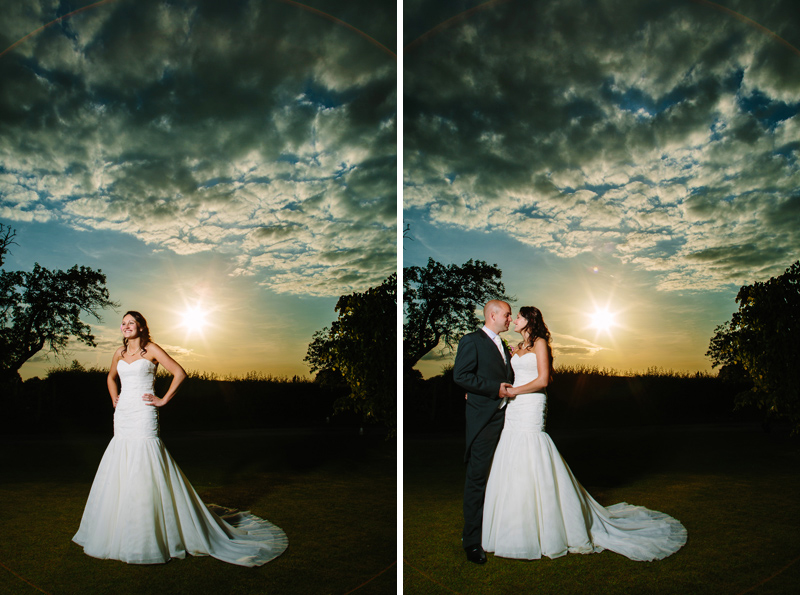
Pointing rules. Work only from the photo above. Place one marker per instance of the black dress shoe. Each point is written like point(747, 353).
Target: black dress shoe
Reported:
point(476, 554)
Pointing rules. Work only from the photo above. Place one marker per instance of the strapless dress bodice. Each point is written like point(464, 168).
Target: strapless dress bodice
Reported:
point(526, 412)
point(526, 368)
point(133, 418)
point(138, 375)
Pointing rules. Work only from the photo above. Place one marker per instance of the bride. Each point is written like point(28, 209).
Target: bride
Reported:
point(534, 505)
point(141, 509)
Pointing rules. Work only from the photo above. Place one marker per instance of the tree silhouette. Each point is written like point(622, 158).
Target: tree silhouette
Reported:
point(360, 348)
point(43, 308)
point(762, 342)
point(439, 304)
point(6, 239)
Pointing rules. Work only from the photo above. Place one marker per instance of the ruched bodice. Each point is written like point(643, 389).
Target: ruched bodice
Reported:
point(136, 378)
point(133, 418)
point(526, 413)
point(525, 367)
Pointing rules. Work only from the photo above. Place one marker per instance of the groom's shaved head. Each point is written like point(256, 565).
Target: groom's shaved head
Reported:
point(493, 306)
point(497, 315)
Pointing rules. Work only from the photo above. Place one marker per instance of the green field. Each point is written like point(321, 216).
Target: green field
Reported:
point(735, 489)
point(332, 491)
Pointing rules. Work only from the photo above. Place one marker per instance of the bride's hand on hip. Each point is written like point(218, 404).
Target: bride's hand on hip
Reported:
point(152, 400)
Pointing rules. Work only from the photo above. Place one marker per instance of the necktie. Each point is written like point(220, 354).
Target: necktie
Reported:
point(496, 340)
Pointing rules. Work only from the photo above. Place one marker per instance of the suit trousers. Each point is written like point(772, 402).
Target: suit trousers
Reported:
point(478, 466)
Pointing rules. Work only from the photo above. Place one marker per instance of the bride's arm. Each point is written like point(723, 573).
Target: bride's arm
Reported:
point(173, 367)
point(542, 367)
point(111, 380)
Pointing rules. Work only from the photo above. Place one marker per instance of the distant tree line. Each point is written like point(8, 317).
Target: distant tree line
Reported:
point(73, 399)
point(757, 352)
point(587, 398)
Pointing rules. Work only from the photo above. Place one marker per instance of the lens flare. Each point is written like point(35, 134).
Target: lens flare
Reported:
point(195, 319)
point(602, 320)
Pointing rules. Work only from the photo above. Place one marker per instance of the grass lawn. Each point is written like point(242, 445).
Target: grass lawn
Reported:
point(332, 492)
point(735, 489)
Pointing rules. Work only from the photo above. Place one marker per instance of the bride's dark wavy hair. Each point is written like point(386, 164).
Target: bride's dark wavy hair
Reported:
point(144, 331)
point(537, 329)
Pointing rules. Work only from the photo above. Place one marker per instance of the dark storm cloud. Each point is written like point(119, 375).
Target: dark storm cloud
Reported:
point(200, 125)
point(664, 132)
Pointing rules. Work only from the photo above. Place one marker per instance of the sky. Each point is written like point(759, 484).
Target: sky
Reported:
point(231, 167)
point(633, 158)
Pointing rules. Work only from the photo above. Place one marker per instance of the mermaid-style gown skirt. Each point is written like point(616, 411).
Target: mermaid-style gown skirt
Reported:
point(142, 509)
point(535, 507)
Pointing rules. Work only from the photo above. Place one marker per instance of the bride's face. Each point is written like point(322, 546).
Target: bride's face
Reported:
point(520, 323)
point(129, 327)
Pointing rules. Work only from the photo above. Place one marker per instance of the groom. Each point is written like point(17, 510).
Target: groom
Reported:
point(483, 369)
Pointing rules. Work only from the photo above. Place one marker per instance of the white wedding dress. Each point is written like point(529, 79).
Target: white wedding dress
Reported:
point(142, 509)
point(535, 507)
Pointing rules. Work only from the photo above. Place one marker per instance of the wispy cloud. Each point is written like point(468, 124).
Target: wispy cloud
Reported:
point(574, 346)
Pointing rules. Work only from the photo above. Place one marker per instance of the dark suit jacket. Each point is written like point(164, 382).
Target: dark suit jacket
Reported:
point(479, 369)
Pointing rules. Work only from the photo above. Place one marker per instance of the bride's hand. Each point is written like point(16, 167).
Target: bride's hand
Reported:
point(152, 400)
point(505, 391)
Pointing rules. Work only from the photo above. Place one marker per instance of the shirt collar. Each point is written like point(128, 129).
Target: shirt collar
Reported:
point(490, 332)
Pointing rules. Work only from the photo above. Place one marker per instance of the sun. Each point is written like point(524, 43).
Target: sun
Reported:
point(603, 320)
point(195, 319)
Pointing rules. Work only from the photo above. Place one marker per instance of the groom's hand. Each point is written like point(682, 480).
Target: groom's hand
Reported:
point(504, 394)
